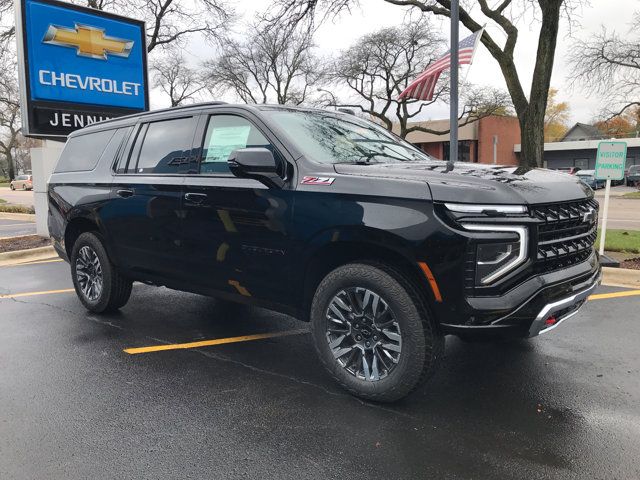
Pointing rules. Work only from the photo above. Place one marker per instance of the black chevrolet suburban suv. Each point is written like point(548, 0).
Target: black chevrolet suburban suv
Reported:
point(331, 219)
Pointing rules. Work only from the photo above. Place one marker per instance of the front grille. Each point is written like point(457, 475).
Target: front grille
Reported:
point(566, 233)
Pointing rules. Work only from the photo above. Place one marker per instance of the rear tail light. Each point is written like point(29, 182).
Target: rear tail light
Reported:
point(550, 321)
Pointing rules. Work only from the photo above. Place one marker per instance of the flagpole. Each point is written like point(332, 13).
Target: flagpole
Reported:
point(453, 116)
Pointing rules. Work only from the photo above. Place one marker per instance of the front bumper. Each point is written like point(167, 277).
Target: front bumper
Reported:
point(536, 306)
point(561, 310)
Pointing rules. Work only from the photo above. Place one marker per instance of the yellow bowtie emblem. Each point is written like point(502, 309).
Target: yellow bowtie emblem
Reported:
point(88, 41)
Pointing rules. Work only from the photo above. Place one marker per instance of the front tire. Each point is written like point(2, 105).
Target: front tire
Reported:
point(373, 333)
point(99, 286)
point(12, 187)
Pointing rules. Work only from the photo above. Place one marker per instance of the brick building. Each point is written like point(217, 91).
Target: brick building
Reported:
point(475, 140)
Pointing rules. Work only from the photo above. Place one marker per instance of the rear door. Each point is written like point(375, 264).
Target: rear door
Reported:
point(236, 231)
point(145, 215)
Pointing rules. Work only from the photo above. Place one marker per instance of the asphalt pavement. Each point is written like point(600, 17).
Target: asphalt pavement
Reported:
point(75, 405)
point(17, 197)
point(624, 213)
point(16, 228)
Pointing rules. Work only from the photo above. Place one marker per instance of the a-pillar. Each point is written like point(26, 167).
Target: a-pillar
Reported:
point(43, 161)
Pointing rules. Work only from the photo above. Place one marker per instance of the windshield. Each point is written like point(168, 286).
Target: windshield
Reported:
point(327, 138)
point(586, 177)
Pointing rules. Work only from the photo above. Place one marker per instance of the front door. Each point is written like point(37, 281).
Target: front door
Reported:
point(145, 216)
point(236, 231)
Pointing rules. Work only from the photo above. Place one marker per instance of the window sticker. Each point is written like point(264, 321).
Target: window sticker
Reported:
point(224, 140)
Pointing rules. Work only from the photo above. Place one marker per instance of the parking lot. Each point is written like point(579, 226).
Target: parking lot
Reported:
point(240, 403)
point(17, 197)
point(10, 227)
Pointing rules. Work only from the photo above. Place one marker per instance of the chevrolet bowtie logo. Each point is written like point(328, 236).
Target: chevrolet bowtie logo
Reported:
point(88, 41)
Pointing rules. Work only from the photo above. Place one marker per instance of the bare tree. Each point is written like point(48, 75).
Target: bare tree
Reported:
point(167, 21)
point(379, 66)
point(7, 23)
point(10, 124)
point(175, 78)
point(503, 15)
point(609, 65)
point(170, 21)
point(273, 65)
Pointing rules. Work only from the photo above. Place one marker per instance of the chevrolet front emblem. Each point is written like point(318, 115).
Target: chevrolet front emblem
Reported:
point(88, 41)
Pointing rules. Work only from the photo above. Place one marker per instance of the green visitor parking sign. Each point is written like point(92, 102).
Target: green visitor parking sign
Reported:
point(610, 160)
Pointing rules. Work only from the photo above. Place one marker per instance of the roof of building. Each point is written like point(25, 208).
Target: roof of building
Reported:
point(591, 132)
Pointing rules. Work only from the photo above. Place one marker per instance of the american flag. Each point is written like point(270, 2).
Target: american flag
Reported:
point(422, 88)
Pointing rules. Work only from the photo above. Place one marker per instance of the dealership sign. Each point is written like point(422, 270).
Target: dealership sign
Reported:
point(610, 160)
point(78, 66)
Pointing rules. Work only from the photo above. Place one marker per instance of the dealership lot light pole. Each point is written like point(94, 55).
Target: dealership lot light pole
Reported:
point(453, 114)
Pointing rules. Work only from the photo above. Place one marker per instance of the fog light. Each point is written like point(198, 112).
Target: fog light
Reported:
point(550, 321)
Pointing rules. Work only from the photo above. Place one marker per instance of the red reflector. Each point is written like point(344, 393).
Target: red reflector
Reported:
point(550, 321)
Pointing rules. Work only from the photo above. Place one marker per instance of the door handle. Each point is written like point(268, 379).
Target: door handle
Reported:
point(124, 193)
point(195, 197)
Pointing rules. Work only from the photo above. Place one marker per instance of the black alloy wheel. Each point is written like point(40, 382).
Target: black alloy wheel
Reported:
point(98, 283)
point(89, 273)
point(363, 333)
point(373, 332)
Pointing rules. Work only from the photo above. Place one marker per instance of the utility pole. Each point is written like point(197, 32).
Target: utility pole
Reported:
point(453, 117)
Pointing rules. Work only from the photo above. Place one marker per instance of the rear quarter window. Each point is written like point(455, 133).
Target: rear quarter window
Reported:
point(82, 153)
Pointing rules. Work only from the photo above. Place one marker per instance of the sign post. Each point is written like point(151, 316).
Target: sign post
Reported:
point(610, 162)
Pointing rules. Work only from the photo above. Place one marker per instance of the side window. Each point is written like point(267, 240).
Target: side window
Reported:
point(119, 155)
point(163, 146)
point(82, 152)
point(226, 133)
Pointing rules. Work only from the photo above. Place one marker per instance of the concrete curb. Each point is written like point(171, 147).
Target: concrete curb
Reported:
point(29, 217)
point(621, 277)
point(24, 256)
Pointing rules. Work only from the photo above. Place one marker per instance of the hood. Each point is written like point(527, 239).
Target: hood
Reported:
point(478, 183)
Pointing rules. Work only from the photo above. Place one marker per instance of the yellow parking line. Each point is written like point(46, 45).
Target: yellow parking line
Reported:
point(30, 294)
point(35, 262)
point(626, 293)
point(54, 260)
point(208, 343)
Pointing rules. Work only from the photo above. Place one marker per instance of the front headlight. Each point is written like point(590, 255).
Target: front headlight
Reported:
point(496, 259)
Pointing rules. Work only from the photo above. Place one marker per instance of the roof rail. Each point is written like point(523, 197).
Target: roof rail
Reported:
point(150, 112)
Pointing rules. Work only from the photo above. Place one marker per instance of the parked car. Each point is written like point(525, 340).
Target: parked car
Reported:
point(589, 178)
point(569, 170)
point(632, 175)
point(329, 218)
point(22, 182)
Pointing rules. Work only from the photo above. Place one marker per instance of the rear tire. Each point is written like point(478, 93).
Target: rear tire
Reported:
point(99, 285)
point(391, 344)
point(12, 187)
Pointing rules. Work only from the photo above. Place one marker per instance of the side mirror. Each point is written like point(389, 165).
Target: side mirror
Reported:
point(257, 163)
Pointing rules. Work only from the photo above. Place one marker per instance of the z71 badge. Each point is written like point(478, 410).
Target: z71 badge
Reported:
point(317, 180)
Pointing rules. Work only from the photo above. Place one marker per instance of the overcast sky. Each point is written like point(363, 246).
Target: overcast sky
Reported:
point(376, 14)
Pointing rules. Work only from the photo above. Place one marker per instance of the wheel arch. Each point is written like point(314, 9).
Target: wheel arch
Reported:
point(332, 255)
point(76, 227)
